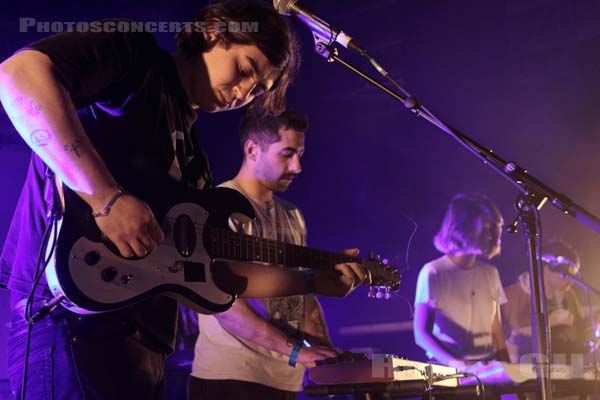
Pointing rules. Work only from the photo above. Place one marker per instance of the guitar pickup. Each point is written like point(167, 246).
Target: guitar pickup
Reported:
point(193, 272)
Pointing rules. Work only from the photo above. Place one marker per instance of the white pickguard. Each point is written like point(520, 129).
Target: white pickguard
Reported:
point(136, 277)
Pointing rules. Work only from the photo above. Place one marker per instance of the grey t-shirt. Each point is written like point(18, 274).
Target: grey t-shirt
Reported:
point(219, 354)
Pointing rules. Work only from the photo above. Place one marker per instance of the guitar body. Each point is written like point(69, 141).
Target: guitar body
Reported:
point(93, 278)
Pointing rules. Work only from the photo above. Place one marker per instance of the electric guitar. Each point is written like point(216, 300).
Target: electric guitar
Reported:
point(91, 276)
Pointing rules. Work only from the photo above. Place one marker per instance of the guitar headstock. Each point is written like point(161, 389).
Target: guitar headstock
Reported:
point(383, 279)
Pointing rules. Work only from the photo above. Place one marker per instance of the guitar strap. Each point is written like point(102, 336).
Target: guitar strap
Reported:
point(54, 195)
point(190, 165)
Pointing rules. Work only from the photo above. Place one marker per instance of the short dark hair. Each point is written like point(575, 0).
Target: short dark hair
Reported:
point(273, 37)
point(461, 224)
point(264, 129)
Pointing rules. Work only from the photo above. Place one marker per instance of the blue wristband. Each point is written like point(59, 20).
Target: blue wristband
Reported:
point(294, 354)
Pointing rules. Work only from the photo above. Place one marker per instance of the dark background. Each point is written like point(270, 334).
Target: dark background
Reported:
point(520, 76)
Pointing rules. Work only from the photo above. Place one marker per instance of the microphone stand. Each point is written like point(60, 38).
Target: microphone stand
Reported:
point(585, 286)
point(532, 197)
point(588, 289)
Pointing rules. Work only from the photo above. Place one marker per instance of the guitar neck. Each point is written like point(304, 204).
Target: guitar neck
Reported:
point(238, 246)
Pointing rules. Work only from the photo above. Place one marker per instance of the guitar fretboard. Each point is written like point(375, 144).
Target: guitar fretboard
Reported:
point(238, 246)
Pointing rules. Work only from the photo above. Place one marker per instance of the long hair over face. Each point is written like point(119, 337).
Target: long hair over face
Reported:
point(472, 225)
point(272, 36)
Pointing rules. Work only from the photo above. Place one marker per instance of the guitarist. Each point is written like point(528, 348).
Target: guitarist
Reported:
point(256, 350)
point(109, 114)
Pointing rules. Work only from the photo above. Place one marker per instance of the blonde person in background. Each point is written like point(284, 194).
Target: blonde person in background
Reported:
point(458, 297)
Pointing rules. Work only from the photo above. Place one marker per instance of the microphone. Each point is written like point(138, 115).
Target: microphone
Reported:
point(317, 25)
point(559, 264)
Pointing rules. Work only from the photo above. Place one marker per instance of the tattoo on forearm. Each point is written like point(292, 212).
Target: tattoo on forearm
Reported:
point(29, 106)
point(74, 147)
point(40, 137)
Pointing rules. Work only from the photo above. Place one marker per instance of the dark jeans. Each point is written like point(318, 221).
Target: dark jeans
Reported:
point(76, 357)
point(227, 389)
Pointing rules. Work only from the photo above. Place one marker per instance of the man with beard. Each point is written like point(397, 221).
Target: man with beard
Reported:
point(259, 349)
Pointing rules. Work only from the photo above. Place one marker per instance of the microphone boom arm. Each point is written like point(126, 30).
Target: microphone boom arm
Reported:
point(534, 194)
point(510, 170)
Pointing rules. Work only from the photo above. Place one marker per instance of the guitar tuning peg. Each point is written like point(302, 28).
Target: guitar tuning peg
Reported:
point(379, 294)
point(388, 293)
point(372, 291)
point(379, 257)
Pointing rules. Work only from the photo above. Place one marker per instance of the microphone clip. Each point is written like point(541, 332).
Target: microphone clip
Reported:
point(324, 47)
